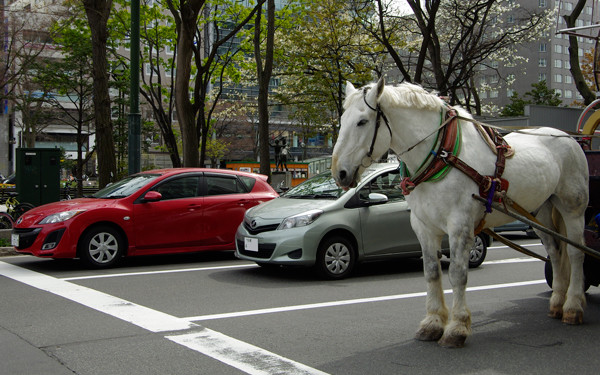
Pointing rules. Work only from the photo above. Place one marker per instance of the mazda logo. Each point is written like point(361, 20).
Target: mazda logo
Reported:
point(253, 224)
point(20, 220)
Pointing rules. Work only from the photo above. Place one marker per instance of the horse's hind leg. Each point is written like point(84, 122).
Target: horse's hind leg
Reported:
point(432, 326)
point(575, 302)
point(568, 298)
point(560, 262)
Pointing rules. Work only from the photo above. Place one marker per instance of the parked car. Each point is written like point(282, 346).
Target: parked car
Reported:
point(155, 212)
point(317, 224)
point(516, 226)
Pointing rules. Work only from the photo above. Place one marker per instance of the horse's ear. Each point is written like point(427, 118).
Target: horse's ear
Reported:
point(380, 86)
point(349, 88)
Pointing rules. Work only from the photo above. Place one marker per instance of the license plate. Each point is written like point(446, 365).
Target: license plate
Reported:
point(14, 240)
point(251, 244)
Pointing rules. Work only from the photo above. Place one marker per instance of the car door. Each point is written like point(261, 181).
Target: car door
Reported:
point(385, 227)
point(173, 222)
point(226, 199)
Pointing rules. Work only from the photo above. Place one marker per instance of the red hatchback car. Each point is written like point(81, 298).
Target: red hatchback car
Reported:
point(155, 212)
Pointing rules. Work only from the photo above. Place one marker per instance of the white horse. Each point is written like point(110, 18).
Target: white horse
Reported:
point(548, 174)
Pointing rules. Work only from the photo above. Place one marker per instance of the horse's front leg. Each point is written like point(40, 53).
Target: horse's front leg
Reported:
point(459, 327)
point(432, 326)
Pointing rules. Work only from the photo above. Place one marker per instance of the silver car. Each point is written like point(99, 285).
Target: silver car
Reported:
point(316, 224)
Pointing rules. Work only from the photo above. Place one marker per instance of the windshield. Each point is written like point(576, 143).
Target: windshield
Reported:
point(126, 186)
point(320, 186)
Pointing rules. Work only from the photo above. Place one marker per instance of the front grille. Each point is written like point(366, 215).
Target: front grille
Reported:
point(257, 230)
point(27, 236)
point(265, 251)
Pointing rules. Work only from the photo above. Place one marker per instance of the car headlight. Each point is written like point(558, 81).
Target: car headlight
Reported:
point(300, 220)
point(60, 217)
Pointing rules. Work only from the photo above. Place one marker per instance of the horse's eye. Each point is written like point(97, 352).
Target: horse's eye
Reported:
point(362, 122)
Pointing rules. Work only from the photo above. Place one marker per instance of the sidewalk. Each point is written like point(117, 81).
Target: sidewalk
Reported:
point(6, 251)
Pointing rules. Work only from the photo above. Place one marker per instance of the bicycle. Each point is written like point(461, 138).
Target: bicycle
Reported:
point(14, 209)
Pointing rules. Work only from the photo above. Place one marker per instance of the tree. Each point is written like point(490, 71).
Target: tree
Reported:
point(72, 85)
point(324, 49)
point(540, 94)
point(578, 76)
point(222, 20)
point(98, 12)
point(158, 39)
point(448, 39)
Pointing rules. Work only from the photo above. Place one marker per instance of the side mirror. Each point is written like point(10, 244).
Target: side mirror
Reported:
point(377, 198)
point(152, 196)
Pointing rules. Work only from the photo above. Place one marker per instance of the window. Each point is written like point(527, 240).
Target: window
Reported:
point(494, 94)
point(541, 77)
point(542, 63)
point(559, 92)
point(558, 63)
point(220, 185)
point(568, 94)
point(181, 187)
point(558, 78)
point(568, 79)
point(387, 184)
point(558, 48)
point(542, 3)
point(542, 47)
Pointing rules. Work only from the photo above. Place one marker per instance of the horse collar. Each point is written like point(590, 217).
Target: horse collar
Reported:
point(449, 135)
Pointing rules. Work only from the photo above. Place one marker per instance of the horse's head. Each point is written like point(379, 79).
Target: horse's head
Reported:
point(359, 141)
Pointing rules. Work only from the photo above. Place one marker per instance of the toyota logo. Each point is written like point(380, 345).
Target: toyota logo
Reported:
point(253, 224)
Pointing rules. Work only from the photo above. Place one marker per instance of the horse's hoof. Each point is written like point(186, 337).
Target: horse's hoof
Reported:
point(555, 313)
point(429, 334)
point(452, 341)
point(573, 317)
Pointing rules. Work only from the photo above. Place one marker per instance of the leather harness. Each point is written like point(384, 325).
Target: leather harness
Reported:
point(493, 188)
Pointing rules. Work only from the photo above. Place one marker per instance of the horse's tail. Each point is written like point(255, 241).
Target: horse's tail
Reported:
point(563, 256)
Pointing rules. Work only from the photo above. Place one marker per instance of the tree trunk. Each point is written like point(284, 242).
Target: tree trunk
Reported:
point(580, 82)
point(264, 77)
point(98, 12)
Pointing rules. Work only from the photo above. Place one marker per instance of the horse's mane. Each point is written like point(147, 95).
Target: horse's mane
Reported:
point(406, 95)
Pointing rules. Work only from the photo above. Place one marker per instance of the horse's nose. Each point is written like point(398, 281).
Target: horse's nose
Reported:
point(343, 175)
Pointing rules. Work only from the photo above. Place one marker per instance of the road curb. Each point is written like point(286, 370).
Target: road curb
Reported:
point(7, 251)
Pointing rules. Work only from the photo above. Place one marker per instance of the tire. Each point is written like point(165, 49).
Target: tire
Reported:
point(478, 252)
point(20, 209)
point(6, 221)
point(102, 247)
point(549, 277)
point(336, 258)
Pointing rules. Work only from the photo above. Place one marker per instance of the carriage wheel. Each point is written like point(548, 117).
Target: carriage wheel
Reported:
point(336, 258)
point(549, 277)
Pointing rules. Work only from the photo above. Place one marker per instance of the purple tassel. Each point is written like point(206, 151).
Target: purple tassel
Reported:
point(490, 199)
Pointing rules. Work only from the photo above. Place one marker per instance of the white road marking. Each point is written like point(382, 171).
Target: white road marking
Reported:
point(158, 272)
point(512, 260)
point(243, 356)
point(152, 320)
point(273, 310)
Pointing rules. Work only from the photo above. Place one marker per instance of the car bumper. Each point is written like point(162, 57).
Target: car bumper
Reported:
point(52, 241)
point(296, 246)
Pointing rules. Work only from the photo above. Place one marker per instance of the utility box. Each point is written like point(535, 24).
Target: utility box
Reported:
point(38, 175)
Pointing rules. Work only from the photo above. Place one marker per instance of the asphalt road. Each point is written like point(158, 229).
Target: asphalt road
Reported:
point(212, 314)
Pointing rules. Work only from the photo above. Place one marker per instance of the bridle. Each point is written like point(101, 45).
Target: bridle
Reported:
point(380, 115)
